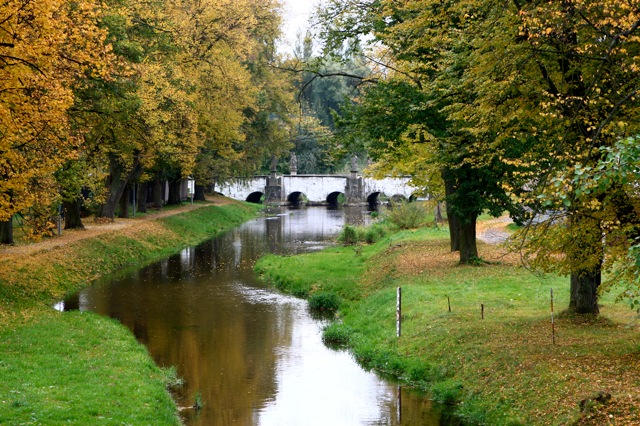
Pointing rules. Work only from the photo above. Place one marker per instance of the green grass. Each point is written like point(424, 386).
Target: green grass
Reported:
point(335, 271)
point(78, 368)
point(500, 370)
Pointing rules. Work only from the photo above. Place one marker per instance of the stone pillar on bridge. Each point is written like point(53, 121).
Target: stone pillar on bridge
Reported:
point(293, 164)
point(273, 190)
point(354, 190)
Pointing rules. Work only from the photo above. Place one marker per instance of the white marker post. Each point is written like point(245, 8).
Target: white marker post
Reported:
point(399, 313)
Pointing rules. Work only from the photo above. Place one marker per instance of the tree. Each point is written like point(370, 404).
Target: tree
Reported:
point(565, 81)
point(425, 52)
point(225, 48)
point(45, 47)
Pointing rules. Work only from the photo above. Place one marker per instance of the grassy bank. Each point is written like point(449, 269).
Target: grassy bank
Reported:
point(500, 370)
point(79, 368)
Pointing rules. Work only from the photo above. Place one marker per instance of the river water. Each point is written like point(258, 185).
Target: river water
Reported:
point(255, 356)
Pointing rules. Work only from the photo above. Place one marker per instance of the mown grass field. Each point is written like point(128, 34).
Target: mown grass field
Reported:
point(80, 368)
point(500, 370)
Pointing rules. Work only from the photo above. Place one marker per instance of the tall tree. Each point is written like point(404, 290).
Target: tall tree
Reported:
point(425, 48)
point(569, 71)
point(45, 47)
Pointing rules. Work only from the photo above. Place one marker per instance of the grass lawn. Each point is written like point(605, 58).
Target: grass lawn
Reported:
point(78, 368)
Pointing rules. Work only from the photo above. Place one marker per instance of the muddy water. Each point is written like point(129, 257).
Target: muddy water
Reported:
point(254, 356)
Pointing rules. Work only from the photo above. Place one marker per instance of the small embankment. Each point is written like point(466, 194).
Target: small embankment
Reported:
point(80, 368)
point(491, 356)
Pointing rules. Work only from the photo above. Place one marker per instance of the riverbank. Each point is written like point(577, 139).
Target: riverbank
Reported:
point(500, 369)
point(80, 368)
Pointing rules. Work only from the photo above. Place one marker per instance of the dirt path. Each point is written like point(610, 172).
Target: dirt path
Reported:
point(494, 231)
point(94, 228)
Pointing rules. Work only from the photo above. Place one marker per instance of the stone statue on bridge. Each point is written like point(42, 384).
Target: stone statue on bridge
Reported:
point(354, 163)
point(274, 164)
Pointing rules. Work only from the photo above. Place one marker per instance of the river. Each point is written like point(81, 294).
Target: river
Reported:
point(254, 356)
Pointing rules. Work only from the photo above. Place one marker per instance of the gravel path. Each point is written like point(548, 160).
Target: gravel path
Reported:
point(493, 231)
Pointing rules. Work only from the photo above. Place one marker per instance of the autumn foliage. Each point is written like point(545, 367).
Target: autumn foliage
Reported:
point(121, 93)
point(45, 47)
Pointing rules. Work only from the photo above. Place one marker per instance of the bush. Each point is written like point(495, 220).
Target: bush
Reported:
point(336, 334)
point(352, 235)
point(406, 215)
point(447, 391)
point(324, 302)
point(375, 233)
point(349, 235)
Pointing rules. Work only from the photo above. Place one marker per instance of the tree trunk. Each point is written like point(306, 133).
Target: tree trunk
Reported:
point(438, 213)
point(454, 230)
point(585, 280)
point(124, 202)
point(142, 197)
point(454, 221)
point(174, 192)
point(199, 194)
point(72, 216)
point(467, 241)
point(119, 180)
point(157, 192)
point(6, 231)
point(584, 292)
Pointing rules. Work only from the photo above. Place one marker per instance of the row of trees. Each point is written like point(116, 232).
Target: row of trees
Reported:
point(97, 95)
point(517, 105)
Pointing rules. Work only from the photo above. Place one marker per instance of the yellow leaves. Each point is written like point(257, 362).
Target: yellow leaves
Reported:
point(46, 46)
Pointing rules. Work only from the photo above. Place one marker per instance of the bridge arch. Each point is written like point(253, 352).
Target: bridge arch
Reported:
point(335, 198)
point(374, 198)
point(255, 197)
point(296, 197)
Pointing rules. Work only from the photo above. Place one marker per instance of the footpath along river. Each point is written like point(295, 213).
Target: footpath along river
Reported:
point(253, 355)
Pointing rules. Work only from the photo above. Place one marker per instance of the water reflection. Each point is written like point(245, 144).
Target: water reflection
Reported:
point(254, 355)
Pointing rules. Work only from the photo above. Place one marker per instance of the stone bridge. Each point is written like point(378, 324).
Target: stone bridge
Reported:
point(316, 189)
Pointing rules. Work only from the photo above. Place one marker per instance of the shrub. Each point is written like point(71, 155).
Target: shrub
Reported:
point(324, 302)
point(375, 233)
point(336, 334)
point(352, 235)
point(447, 391)
point(349, 235)
point(406, 215)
